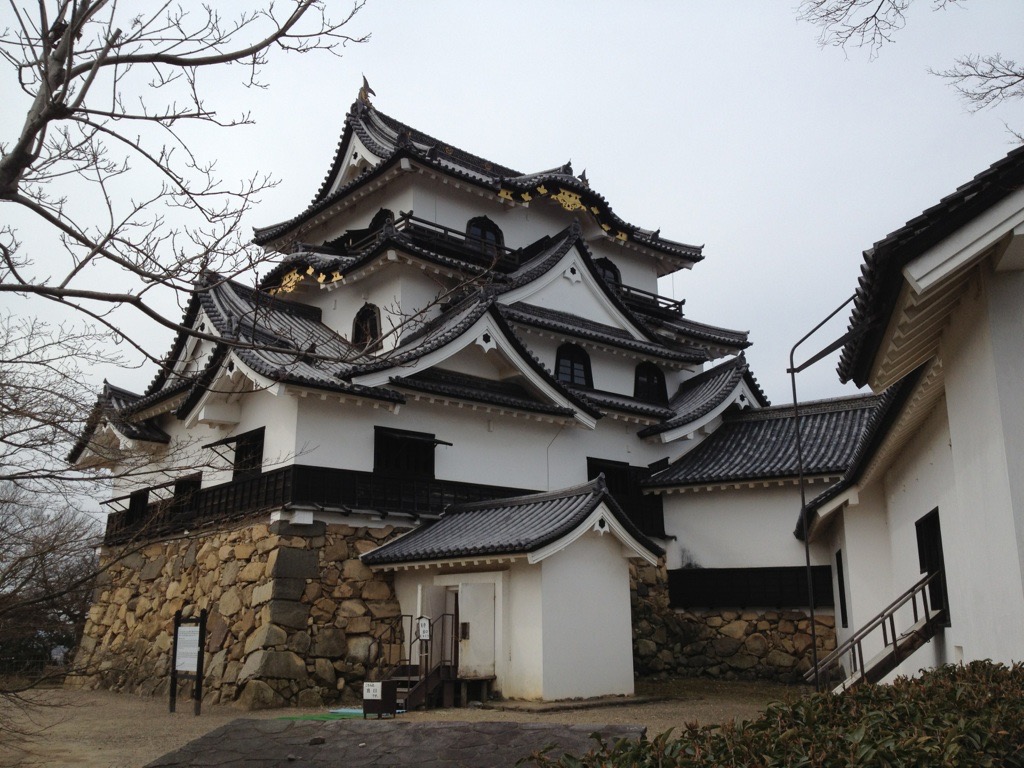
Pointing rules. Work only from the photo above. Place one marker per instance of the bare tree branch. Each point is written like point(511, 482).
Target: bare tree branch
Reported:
point(986, 81)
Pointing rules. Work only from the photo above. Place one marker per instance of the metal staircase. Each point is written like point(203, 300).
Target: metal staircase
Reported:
point(419, 673)
point(926, 605)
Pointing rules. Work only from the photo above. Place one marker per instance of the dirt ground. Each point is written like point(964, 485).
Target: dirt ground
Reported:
point(97, 729)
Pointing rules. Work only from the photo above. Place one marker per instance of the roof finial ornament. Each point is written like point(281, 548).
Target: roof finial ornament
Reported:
point(366, 92)
point(584, 179)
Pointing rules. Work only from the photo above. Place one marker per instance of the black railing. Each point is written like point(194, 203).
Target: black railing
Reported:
point(897, 645)
point(300, 485)
point(447, 242)
point(651, 303)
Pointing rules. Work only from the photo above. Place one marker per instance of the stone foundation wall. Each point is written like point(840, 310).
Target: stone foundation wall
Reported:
point(291, 613)
point(726, 644)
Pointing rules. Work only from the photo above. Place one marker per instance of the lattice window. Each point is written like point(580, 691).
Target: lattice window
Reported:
point(572, 366)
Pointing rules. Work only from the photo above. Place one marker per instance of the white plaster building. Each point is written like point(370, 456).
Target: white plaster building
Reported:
point(446, 359)
point(439, 330)
point(936, 485)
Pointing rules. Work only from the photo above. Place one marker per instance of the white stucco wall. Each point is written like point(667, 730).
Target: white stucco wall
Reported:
point(963, 462)
point(982, 353)
point(738, 528)
point(586, 618)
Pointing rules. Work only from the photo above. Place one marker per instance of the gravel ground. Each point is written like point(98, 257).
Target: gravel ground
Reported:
point(97, 729)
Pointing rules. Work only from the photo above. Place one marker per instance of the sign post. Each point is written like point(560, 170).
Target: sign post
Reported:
point(187, 656)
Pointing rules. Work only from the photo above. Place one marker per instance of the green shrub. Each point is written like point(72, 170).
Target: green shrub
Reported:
point(971, 716)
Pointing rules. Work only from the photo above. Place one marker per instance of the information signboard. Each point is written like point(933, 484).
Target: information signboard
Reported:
point(187, 656)
point(187, 659)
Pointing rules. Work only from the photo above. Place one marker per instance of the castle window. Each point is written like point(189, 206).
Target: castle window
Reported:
point(649, 384)
point(248, 455)
point(401, 453)
point(366, 328)
point(573, 366)
point(609, 272)
point(485, 235)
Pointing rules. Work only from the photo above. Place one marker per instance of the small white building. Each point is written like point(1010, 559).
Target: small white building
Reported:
point(537, 587)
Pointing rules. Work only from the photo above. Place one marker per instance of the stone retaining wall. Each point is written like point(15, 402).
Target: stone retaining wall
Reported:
point(728, 644)
point(291, 613)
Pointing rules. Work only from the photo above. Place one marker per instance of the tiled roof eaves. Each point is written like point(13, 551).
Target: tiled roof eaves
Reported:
point(434, 335)
point(704, 332)
point(336, 163)
point(758, 444)
point(567, 324)
point(573, 504)
point(485, 174)
point(539, 367)
point(890, 405)
point(263, 235)
point(460, 156)
point(591, 200)
point(479, 396)
point(177, 345)
point(712, 387)
point(880, 281)
point(624, 403)
point(111, 405)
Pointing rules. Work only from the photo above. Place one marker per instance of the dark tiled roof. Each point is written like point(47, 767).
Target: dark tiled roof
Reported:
point(881, 274)
point(572, 325)
point(282, 340)
point(387, 239)
point(504, 527)
point(392, 140)
point(890, 404)
point(701, 394)
point(111, 404)
point(457, 321)
point(461, 386)
point(616, 402)
point(760, 444)
point(700, 332)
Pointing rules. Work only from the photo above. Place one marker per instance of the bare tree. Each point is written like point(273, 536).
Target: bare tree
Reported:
point(110, 217)
point(981, 80)
point(103, 159)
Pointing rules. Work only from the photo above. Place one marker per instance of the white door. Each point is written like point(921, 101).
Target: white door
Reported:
point(476, 630)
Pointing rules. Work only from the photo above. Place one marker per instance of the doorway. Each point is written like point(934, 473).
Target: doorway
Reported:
point(929, 555)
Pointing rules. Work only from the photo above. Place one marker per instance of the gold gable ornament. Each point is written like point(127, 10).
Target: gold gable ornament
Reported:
point(289, 282)
point(569, 200)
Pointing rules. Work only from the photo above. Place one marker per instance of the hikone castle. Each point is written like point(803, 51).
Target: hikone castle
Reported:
point(457, 407)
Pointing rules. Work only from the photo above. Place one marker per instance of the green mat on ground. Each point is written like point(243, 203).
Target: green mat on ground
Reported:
point(339, 714)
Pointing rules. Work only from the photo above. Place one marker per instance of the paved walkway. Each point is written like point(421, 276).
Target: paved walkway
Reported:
point(380, 743)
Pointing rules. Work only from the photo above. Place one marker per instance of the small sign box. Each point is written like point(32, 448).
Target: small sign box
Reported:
point(380, 698)
point(371, 691)
point(424, 628)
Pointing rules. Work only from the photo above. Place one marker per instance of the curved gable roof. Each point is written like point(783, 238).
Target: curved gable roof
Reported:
point(515, 526)
point(391, 140)
point(703, 393)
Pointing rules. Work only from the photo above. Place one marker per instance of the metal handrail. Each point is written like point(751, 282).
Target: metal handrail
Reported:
point(884, 619)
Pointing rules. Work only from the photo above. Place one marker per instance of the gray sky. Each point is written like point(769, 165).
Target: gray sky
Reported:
point(721, 123)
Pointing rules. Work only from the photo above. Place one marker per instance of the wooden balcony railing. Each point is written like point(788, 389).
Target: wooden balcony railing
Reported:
point(141, 516)
point(651, 303)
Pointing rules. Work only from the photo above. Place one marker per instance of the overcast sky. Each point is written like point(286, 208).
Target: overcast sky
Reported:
point(721, 123)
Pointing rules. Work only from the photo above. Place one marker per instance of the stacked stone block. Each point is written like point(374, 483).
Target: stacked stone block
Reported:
point(292, 613)
point(726, 644)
